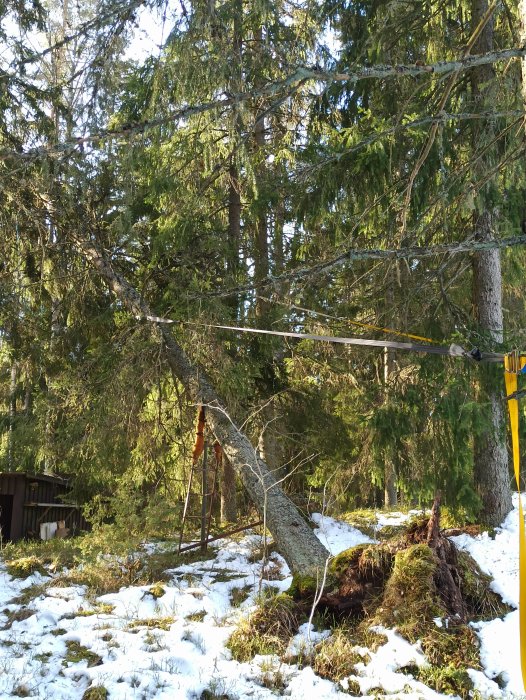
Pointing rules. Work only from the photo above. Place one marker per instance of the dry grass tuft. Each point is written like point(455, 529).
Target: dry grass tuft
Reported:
point(76, 653)
point(239, 595)
point(25, 566)
point(161, 623)
point(335, 658)
point(17, 615)
point(267, 630)
point(96, 692)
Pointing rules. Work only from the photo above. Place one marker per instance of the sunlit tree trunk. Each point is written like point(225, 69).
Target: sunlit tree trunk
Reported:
point(267, 443)
point(490, 453)
point(522, 42)
point(228, 492)
point(228, 474)
point(12, 413)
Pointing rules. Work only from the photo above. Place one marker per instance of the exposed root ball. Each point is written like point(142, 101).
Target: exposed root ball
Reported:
point(410, 597)
point(421, 585)
point(411, 580)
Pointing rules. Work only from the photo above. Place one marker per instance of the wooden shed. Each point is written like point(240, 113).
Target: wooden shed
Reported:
point(27, 501)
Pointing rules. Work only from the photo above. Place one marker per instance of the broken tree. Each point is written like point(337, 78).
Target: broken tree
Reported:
point(296, 541)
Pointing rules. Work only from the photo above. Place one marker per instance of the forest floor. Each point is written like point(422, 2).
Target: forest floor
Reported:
point(168, 640)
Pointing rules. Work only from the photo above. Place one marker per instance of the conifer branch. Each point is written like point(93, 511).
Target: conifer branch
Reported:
point(125, 9)
point(413, 252)
point(440, 118)
point(435, 126)
point(277, 88)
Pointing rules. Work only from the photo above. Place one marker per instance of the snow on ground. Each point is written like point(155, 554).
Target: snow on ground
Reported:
point(337, 536)
point(173, 646)
point(394, 518)
point(498, 556)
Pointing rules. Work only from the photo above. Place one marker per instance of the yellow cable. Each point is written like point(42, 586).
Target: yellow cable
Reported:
point(389, 330)
point(354, 323)
point(510, 377)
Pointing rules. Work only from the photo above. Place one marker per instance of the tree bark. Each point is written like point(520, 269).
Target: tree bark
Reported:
point(390, 491)
point(267, 446)
point(13, 384)
point(261, 245)
point(522, 41)
point(234, 185)
point(227, 475)
point(491, 458)
point(294, 538)
point(490, 454)
point(234, 228)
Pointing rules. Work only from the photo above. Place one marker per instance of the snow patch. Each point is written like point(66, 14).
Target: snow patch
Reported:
point(337, 536)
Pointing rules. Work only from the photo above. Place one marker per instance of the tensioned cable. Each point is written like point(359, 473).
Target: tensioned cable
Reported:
point(359, 324)
point(452, 350)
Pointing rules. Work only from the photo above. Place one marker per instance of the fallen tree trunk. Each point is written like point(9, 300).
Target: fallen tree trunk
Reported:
point(302, 550)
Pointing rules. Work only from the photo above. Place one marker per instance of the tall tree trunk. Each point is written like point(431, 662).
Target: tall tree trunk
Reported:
point(302, 550)
point(234, 229)
point(28, 398)
point(522, 42)
point(12, 413)
point(53, 270)
point(228, 474)
point(234, 185)
point(390, 491)
point(261, 246)
point(267, 443)
point(490, 454)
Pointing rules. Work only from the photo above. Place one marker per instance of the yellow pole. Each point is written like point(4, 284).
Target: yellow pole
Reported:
point(510, 376)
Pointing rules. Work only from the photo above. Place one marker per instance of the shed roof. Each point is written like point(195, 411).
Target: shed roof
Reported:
point(38, 477)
